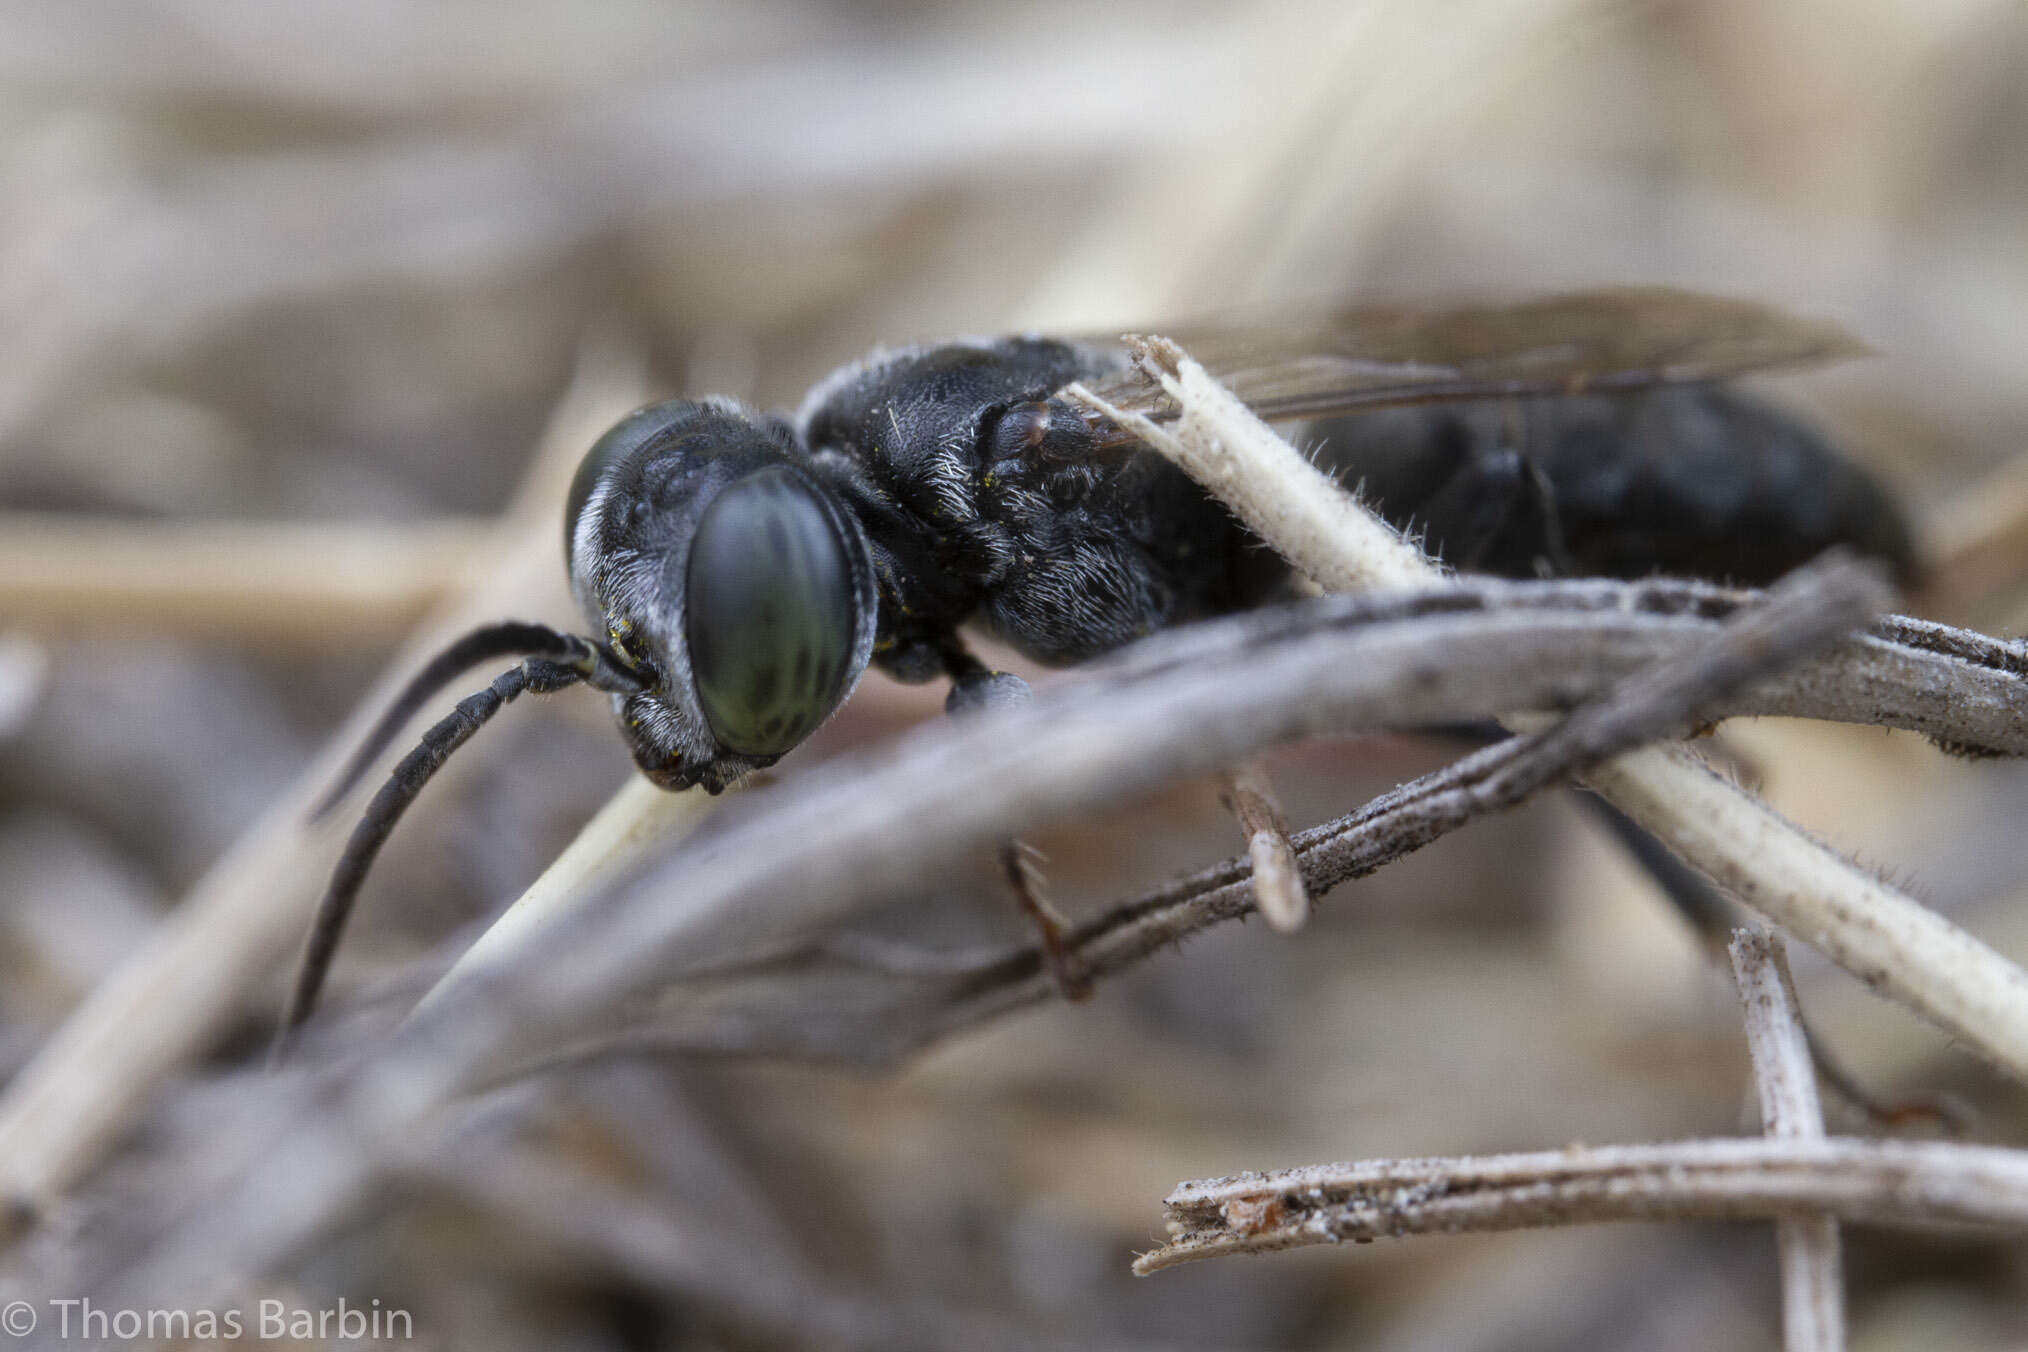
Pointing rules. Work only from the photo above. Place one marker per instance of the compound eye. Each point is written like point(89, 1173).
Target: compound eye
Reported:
point(770, 613)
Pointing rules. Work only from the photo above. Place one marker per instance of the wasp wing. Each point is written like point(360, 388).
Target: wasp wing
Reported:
point(1622, 338)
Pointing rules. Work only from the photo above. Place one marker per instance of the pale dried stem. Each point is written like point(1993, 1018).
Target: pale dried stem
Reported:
point(1813, 1288)
point(304, 587)
point(1917, 1184)
point(640, 816)
point(1876, 932)
point(247, 915)
point(1895, 945)
point(1323, 532)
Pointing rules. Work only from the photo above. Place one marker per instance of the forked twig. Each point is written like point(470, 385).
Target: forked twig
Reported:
point(928, 998)
point(1874, 931)
point(1170, 710)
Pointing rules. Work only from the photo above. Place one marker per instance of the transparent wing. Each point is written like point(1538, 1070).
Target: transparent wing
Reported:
point(1622, 338)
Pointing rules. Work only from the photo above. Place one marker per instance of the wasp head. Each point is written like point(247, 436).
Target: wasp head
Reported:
point(729, 577)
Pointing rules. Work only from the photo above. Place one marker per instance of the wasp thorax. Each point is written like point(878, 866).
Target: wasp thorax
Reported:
point(1039, 429)
point(771, 613)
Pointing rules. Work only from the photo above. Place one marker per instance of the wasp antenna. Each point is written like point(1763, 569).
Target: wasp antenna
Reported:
point(510, 638)
point(407, 780)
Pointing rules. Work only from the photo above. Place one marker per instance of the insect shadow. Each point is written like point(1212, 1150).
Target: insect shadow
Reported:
point(738, 572)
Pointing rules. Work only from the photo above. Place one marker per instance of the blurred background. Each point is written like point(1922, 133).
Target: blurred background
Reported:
point(293, 295)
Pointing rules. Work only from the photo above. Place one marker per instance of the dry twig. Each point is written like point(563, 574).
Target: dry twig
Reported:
point(1872, 930)
point(1813, 1284)
point(851, 833)
point(906, 998)
point(1918, 1184)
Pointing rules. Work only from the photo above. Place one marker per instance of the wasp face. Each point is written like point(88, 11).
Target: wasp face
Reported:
point(731, 580)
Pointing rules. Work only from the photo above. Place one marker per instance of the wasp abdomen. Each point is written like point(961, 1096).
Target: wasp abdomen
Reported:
point(1692, 481)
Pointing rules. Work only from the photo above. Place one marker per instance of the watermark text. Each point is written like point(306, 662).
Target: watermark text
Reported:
point(81, 1318)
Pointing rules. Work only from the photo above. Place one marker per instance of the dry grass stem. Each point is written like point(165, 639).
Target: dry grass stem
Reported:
point(141, 1026)
point(1784, 1072)
point(299, 587)
point(1894, 944)
point(1876, 932)
point(637, 818)
point(1919, 1184)
point(1324, 533)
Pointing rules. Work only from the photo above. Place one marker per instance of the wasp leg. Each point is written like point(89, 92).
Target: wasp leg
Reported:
point(975, 687)
point(1497, 514)
point(1019, 860)
point(1278, 890)
point(1554, 551)
point(1552, 558)
point(1470, 516)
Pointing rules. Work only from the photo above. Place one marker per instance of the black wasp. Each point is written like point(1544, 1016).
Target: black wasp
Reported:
point(739, 571)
